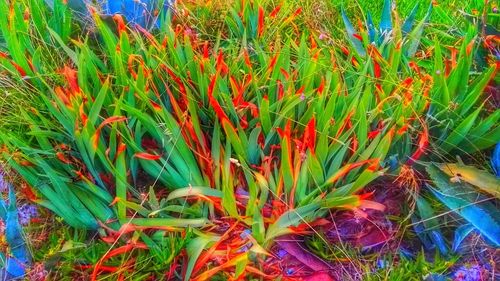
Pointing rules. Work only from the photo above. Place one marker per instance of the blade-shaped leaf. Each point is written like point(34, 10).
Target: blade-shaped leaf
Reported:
point(461, 199)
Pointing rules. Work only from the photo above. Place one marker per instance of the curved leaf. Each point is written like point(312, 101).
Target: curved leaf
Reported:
point(386, 20)
point(462, 200)
point(194, 191)
point(350, 32)
point(482, 179)
point(410, 20)
point(430, 225)
point(415, 36)
point(194, 249)
point(371, 27)
point(460, 234)
point(495, 160)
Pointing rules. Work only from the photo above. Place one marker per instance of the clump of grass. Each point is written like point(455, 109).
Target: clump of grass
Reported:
point(210, 146)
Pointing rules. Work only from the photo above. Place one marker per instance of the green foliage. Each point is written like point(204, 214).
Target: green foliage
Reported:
point(413, 270)
point(104, 123)
point(430, 226)
point(67, 253)
point(154, 134)
point(379, 36)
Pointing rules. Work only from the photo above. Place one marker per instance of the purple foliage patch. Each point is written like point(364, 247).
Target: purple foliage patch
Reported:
point(26, 213)
point(468, 273)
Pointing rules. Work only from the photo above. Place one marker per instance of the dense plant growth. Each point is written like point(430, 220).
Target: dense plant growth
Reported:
point(249, 146)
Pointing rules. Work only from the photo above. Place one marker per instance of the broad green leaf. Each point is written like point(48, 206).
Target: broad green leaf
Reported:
point(479, 178)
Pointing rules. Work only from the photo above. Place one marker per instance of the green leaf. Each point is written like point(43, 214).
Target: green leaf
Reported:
point(461, 132)
point(479, 178)
point(228, 196)
point(291, 218)
point(71, 54)
point(194, 249)
point(194, 191)
point(172, 222)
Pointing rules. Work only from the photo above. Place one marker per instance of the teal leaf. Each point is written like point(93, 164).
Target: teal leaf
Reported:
point(410, 21)
point(415, 35)
point(438, 240)
point(419, 229)
point(371, 28)
point(495, 160)
point(487, 225)
point(386, 20)
point(463, 200)
point(358, 46)
point(13, 267)
point(430, 225)
point(460, 234)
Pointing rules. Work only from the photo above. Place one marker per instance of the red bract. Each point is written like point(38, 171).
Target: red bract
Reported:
point(297, 12)
point(274, 59)
point(260, 28)
point(422, 146)
point(205, 50)
point(309, 139)
point(62, 158)
point(120, 23)
point(107, 121)
point(19, 69)
point(281, 89)
point(115, 252)
point(220, 65)
point(155, 105)
point(214, 103)
point(321, 87)
point(345, 124)
point(357, 36)
point(376, 69)
point(275, 11)
point(83, 116)
point(247, 59)
point(71, 76)
point(182, 89)
point(147, 156)
point(63, 96)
